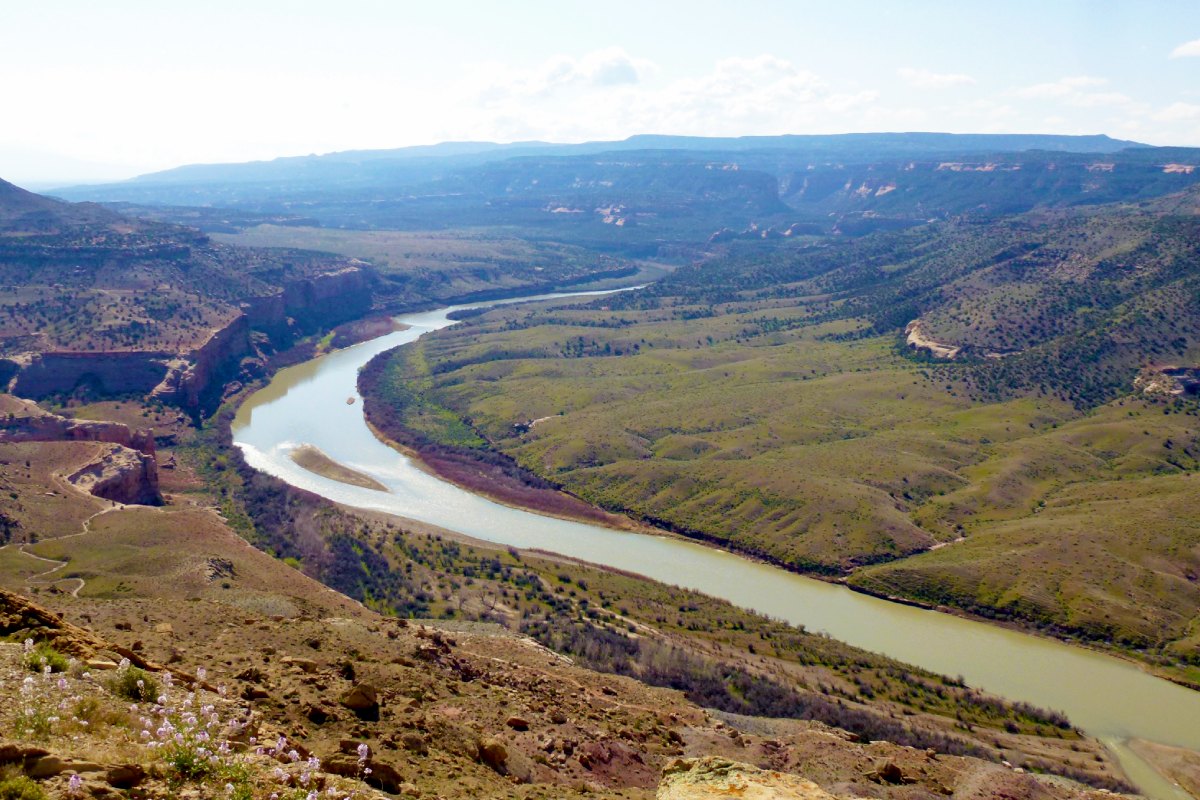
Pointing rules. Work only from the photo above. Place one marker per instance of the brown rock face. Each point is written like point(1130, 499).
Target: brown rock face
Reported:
point(23, 421)
point(183, 377)
point(187, 376)
point(44, 374)
point(712, 777)
point(21, 618)
point(121, 475)
point(127, 472)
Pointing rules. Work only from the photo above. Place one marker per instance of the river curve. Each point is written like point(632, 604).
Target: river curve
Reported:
point(1109, 698)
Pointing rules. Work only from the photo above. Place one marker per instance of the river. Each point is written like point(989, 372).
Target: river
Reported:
point(1107, 697)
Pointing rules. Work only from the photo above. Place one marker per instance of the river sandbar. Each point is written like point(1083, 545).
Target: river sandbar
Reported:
point(313, 460)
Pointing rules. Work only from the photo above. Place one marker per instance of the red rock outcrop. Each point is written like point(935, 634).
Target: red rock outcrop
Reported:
point(23, 421)
point(127, 472)
point(189, 376)
point(121, 475)
point(134, 372)
point(302, 305)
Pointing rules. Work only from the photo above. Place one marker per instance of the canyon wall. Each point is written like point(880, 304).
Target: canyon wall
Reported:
point(108, 373)
point(125, 472)
point(121, 475)
point(193, 379)
point(187, 379)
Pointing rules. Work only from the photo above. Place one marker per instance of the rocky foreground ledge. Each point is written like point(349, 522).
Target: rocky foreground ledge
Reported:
point(702, 778)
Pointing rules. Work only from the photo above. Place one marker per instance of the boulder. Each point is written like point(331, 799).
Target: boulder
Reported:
point(319, 713)
point(361, 697)
point(13, 752)
point(49, 766)
point(414, 742)
point(713, 777)
point(302, 664)
point(888, 771)
point(493, 753)
point(125, 776)
point(382, 775)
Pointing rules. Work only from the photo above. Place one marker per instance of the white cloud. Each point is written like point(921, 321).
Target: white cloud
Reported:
point(1177, 112)
point(926, 79)
point(1063, 87)
point(610, 67)
point(602, 94)
point(572, 99)
point(1079, 91)
point(1187, 50)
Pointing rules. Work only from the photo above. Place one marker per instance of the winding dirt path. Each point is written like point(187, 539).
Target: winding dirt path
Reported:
point(33, 580)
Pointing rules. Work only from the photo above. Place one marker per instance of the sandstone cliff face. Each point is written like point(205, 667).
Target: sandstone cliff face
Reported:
point(319, 300)
point(186, 379)
point(23, 421)
point(126, 472)
point(330, 296)
point(44, 374)
point(121, 475)
point(712, 777)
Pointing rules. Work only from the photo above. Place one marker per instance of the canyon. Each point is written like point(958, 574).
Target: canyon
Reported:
point(124, 471)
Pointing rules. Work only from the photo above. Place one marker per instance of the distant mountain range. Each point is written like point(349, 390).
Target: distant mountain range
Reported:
point(651, 195)
point(846, 145)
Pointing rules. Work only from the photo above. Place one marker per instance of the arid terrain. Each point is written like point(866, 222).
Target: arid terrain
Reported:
point(467, 703)
point(957, 372)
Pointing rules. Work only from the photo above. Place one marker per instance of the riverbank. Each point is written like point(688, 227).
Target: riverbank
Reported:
point(1108, 698)
point(505, 485)
point(488, 472)
point(716, 634)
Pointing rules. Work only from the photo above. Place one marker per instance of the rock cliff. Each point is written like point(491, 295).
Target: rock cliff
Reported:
point(189, 379)
point(126, 472)
point(111, 373)
point(23, 421)
point(712, 777)
point(121, 475)
point(190, 376)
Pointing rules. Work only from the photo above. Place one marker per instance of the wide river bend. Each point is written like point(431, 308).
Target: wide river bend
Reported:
point(1107, 697)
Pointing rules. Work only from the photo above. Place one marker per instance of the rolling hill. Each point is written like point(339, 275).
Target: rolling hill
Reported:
point(770, 400)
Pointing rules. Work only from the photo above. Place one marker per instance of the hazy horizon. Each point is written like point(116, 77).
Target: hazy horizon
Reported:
point(106, 93)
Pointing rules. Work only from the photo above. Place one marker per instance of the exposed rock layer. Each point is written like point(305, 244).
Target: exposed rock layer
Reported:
point(300, 306)
point(121, 475)
point(126, 472)
point(712, 777)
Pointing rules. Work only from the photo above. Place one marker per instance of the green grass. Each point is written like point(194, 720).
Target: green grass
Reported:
point(762, 426)
point(42, 656)
point(19, 787)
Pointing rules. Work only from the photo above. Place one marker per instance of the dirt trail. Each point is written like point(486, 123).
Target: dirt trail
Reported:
point(33, 580)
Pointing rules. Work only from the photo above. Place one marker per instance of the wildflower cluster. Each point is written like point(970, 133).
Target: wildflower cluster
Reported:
point(188, 734)
point(42, 656)
point(198, 738)
point(133, 683)
point(302, 779)
point(47, 703)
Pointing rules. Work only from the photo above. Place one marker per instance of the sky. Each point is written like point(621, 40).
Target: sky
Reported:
point(108, 90)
